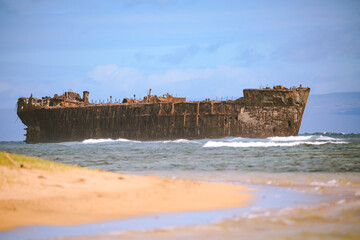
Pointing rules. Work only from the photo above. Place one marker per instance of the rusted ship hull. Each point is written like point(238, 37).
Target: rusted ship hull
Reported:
point(260, 113)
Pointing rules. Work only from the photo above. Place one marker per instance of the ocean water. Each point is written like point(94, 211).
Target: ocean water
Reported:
point(319, 174)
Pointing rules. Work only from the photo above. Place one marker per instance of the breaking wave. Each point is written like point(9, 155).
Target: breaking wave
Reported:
point(240, 142)
point(325, 138)
point(291, 138)
point(104, 140)
point(276, 141)
point(180, 141)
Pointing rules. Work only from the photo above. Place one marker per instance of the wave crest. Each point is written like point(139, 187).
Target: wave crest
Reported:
point(290, 138)
point(180, 141)
point(103, 140)
point(276, 142)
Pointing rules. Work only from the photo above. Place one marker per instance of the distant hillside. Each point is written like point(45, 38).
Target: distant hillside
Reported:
point(334, 112)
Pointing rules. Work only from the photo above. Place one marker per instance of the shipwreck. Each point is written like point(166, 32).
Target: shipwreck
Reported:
point(260, 113)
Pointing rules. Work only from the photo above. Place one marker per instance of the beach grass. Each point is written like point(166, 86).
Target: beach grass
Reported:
point(21, 161)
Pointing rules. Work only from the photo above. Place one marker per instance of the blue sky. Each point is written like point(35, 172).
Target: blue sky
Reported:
point(196, 49)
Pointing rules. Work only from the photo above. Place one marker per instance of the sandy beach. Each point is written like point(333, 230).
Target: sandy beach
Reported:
point(38, 192)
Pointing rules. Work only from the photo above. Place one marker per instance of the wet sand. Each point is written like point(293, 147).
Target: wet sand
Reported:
point(37, 192)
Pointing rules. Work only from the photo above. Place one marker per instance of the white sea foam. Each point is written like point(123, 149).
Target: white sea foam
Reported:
point(180, 141)
point(324, 138)
point(290, 138)
point(103, 140)
point(264, 144)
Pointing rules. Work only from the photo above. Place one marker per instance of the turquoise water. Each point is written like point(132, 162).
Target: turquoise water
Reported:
point(324, 165)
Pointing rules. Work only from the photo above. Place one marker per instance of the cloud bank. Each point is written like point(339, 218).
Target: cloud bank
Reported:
point(190, 81)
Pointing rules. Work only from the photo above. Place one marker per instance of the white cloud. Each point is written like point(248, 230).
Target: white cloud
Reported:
point(219, 73)
point(4, 87)
point(217, 81)
point(321, 44)
point(112, 74)
point(181, 54)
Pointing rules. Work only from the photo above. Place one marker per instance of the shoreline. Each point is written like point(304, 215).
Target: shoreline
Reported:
point(267, 200)
point(39, 192)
